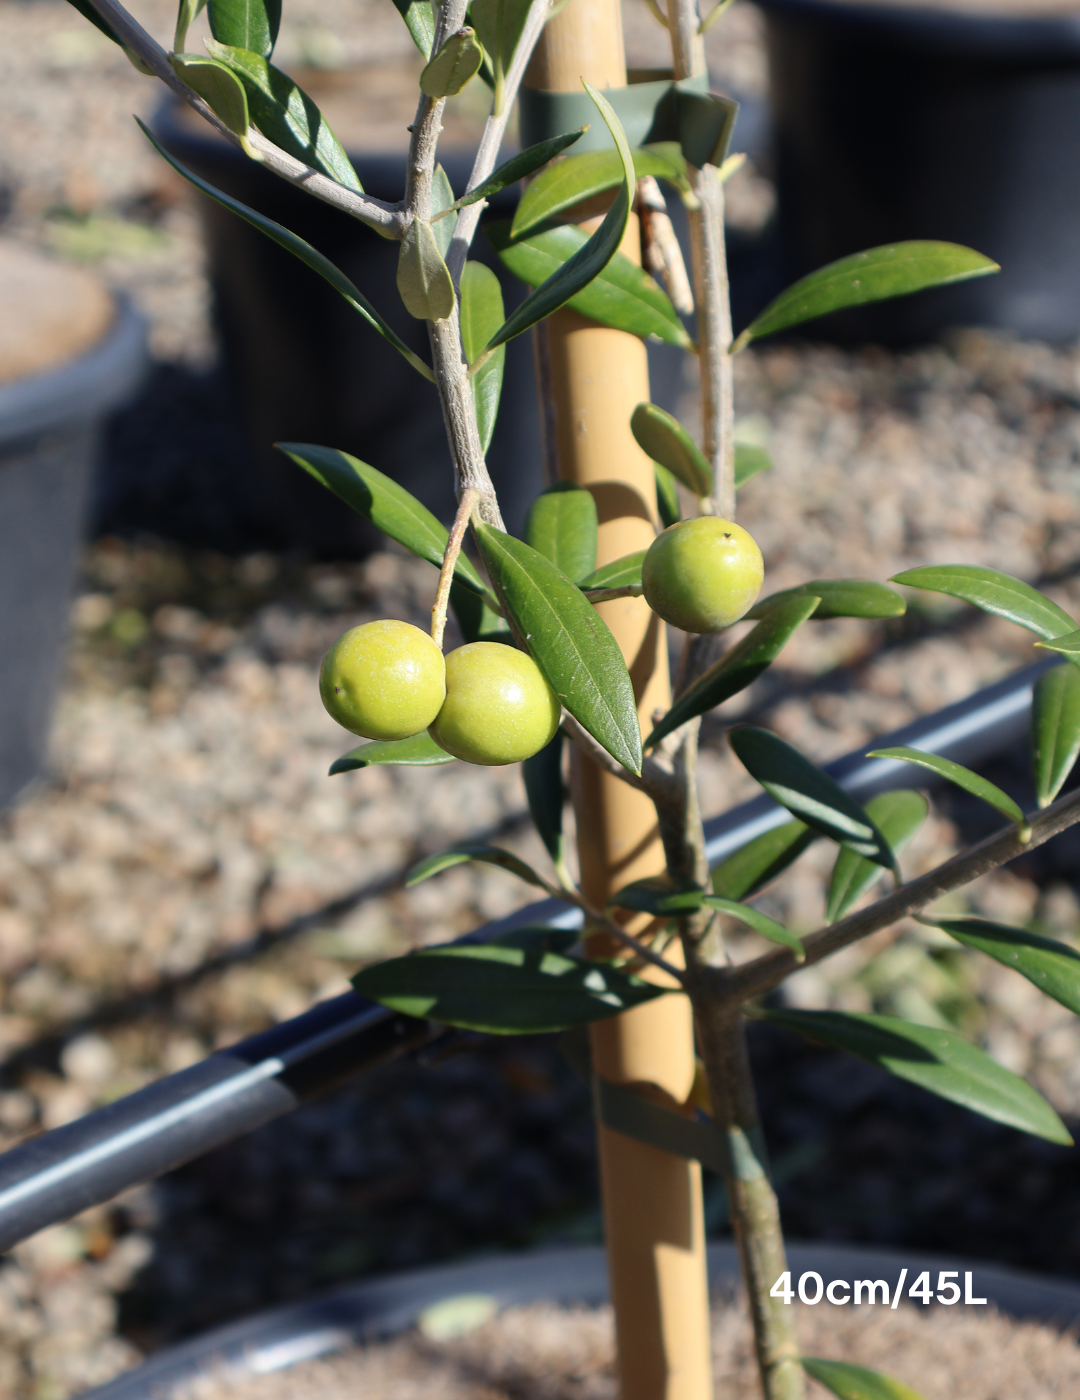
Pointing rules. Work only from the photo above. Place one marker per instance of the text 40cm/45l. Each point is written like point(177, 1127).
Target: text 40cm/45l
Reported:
point(812, 1289)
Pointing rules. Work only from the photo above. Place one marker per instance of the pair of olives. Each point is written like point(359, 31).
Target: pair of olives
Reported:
point(485, 702)
point(490, 704)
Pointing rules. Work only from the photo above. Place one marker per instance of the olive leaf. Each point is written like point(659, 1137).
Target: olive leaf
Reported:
point(246, 24)
point(962, 777)
point(481, 315)
point(1067, 646)
point(569, 641)
point(519, 166)
point(759, 922)
point(808, 793)
point(222, 91)
point(850, 1382)
point(420, 22)
point(749, 460)
point(657, 895)
point(739, 667)
point(668, 443)
point(467, 851)
point(583, 177)
point(423, 279)
point(283, 111)
point(456, 63)
point(936, 1060)
point(898, 816)
point(420, 751)
point(546, 796)
point(667, 496)
point(1051, 966)
point(476, 618)
point(620, 573)
point(299, 249)
point(761, 860)
point(896, 270)
point(1055, 730)
point(503, 989)
point(499, 24)
point(840, 597)
point(388, 506)
point(993, 592)
point(620, 295)
point(562, 526)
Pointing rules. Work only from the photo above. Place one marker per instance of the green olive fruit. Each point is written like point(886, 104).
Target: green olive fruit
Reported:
point(384, 680)
point(498, 708)
point(702, 575)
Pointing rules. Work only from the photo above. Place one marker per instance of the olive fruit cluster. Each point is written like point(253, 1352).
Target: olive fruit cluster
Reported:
point(702, 575)
point(485, 703)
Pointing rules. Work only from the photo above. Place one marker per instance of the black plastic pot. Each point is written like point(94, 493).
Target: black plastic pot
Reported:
point(895, 122)
point(359, 1312)
point(50, 429)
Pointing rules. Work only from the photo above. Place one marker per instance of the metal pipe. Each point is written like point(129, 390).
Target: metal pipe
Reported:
point(57, 1174)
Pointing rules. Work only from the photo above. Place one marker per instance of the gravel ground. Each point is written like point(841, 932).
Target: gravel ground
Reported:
point(186, 874)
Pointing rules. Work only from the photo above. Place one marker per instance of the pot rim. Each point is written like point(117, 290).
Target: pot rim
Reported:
point(1012, 41)
point(382, 1307)
point(84, 389)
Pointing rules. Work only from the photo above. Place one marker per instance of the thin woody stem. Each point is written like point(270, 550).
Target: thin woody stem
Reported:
point(389, 219)
point(469, 498)
point(753, 979)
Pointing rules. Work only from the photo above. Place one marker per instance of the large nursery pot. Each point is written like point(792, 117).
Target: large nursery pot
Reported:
point(936, 121)
point(69, 353)
point(304, 366)
point(381, 1307)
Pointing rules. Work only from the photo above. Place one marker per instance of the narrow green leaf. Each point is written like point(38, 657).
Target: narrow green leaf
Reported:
point(460, 855)
point(499, 24)
point(520, 166)
point(221, 89)
point(759, 922)
point(896, 270)
point(621, 295)
point(420, 22)
point(898, 816)
point(481, 316)
point(760, 861)
point(1051, 966)
point(283, 111)
point(962, 777)
point(739, 667)
point(456, 63)
point(304, 251)
point(503, 990)
point(246, 24)
point(583, 177)
point(590, 260)
point(667, 442)
point(856, 1382)
point(749, 460)
point(807, 792)
point(380, 499)
point(569, 641)
point(620, 573)
point(421, 751)
point(562, 526)
point(423, 279)
point(656, 895)
point(667, 496)
point(478, 621)
point(1055, 730)
point(187, 13)
point(88, 12)
point(840, 597)
point(442, 200)
point(546, 794)
point(1067, 646)
point(994, 592)
point(536, 938)
point(936, 1060)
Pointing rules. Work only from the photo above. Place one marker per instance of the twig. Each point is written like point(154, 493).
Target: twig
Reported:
point(705, 215)
point(389, 219)
point(469, 498)
point(660, 245)
point(654, 780)
point(753, 979)
point(494, 130)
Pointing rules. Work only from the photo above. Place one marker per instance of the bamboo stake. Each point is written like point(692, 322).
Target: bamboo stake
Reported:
point(652, 1201)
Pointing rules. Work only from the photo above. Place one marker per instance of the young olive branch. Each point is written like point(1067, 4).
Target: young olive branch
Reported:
point(733, 986)
point(466, 505)
point(388, 219)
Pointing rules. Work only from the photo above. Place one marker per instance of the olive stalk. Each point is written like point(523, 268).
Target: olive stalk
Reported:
point(466, 505)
